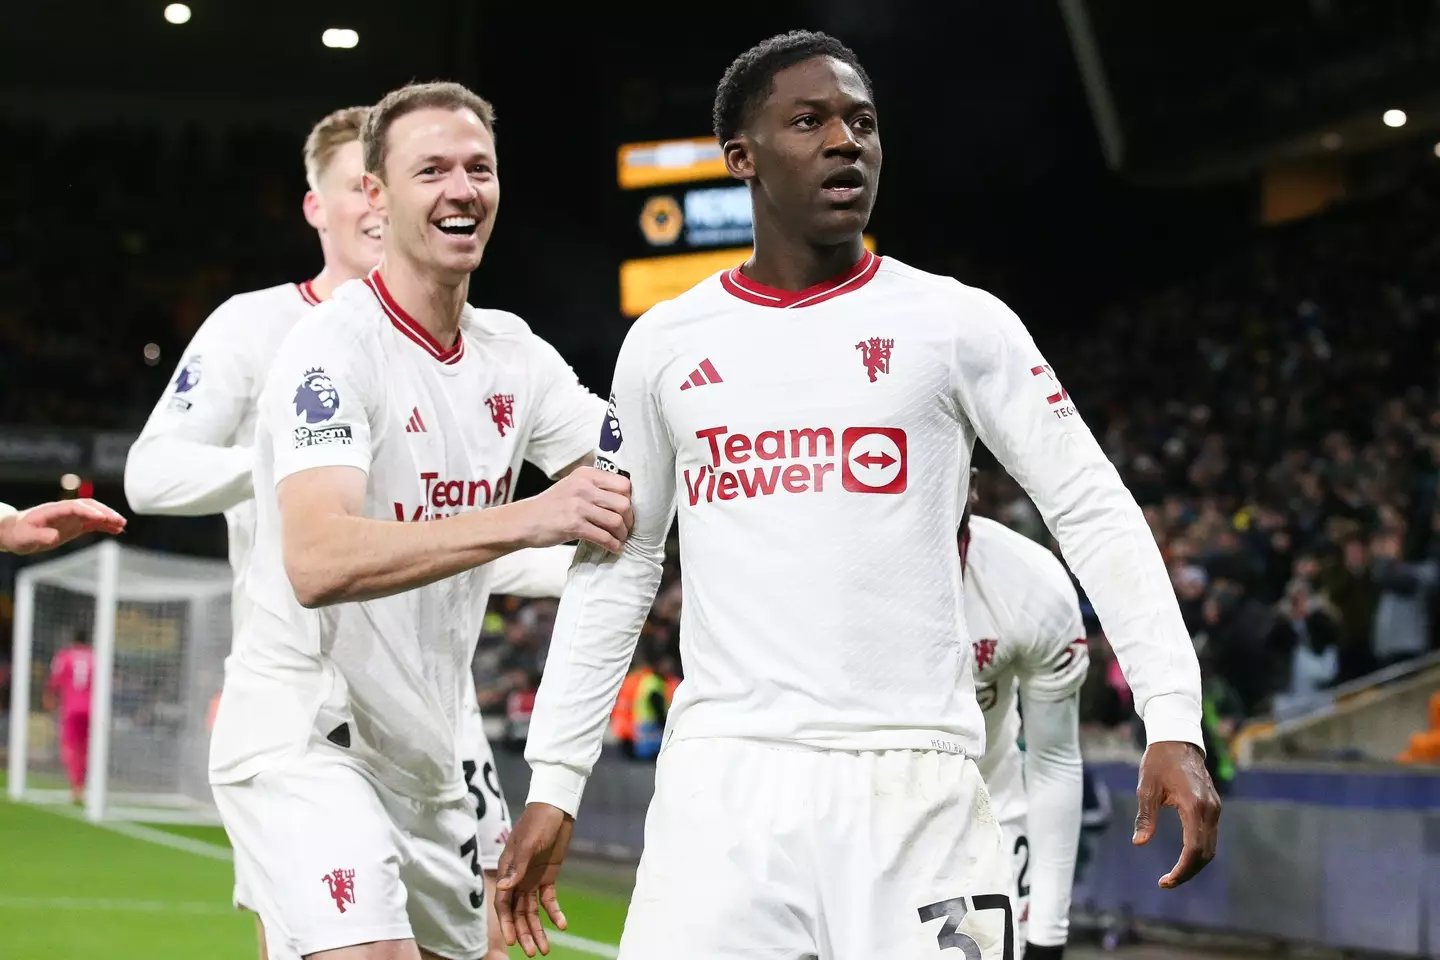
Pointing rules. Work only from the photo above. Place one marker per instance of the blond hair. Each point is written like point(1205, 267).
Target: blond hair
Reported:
point(329, 135)
point(408, 99)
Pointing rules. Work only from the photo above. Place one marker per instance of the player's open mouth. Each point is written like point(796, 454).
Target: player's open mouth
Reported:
point(458, 226)
point(372, 232)
point(843, 185)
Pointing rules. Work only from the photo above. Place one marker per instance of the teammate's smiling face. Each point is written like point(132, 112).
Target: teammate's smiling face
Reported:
point(812, 150)
point(337, 208)
point(440, 189)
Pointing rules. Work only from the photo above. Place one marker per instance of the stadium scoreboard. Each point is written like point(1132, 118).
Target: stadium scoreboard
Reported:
point(687, 218)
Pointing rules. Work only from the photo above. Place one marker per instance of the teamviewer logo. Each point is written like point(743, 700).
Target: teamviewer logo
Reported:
point(873, 460)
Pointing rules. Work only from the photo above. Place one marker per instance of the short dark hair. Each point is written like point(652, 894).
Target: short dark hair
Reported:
point(751, 77)
point(408, 99)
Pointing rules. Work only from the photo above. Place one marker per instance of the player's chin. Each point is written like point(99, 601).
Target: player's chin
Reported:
point(837, 225)
point(459, 256)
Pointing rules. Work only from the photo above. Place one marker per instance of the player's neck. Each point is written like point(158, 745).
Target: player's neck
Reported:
point(434, 303)
point(786, 263)
point(325, 282)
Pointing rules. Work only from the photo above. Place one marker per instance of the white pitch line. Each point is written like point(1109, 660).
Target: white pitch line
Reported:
point(137, 831)
point(583, 944)
point(124, 906)
point(171, 840)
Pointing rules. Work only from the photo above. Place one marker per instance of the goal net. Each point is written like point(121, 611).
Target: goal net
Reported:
point(160, 626)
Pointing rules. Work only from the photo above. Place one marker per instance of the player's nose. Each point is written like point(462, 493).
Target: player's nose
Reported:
point(459, 186)
point(841, 140)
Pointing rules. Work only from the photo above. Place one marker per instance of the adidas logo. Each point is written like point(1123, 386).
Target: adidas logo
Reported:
point(415, 424)
point(701, 375)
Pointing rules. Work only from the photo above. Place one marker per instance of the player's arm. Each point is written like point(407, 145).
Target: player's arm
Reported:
point(333, 553)
point(532, 573)
point(601, 613)
point(1050, 685)
point(1027, 420)
point(185, 462)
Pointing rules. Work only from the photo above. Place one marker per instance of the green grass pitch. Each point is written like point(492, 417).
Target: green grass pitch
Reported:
point(71, 890)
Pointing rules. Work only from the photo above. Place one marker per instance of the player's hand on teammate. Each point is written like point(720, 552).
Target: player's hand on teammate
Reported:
point(586, 504)
point(1173, 774)
point(49, 525)
point(527, 871)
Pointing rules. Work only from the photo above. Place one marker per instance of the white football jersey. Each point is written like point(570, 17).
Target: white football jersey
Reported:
point(1027, 640)
point(194, 456)
point(818, 444)
point(438, 432)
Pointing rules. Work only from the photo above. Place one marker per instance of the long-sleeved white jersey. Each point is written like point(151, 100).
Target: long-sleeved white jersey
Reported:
point(1029, 655)
point(818, 445)
point(194, 456)
point(438, 432)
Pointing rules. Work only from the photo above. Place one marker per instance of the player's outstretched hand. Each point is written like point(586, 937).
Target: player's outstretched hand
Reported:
point(586, 504)
point(1173, 774)
point(527, 871)
point(50, 525)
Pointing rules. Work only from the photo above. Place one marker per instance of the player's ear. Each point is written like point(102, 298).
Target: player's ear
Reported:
point(738, 159)
point(374, 189)
point(314, 213)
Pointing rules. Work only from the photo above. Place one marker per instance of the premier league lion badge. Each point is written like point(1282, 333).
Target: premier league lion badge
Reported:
point(316, 399)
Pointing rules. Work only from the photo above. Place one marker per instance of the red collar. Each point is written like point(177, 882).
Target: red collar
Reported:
point(307, 292)
point(741, 286)
point(411, 327)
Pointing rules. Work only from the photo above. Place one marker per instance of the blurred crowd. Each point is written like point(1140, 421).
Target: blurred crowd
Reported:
point(1278, 419)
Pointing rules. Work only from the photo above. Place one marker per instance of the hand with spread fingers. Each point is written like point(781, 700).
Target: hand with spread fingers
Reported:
point(527, 872)
point(1173, 774)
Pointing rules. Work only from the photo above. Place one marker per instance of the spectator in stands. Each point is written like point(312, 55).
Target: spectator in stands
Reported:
point(1352, 589)
point(1402, 615)
point(1305, 637)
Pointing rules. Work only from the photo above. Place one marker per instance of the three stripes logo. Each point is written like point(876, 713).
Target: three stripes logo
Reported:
point(701, 375)
point(415, 424)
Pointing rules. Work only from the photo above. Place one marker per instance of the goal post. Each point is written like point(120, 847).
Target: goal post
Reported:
point(160, 627)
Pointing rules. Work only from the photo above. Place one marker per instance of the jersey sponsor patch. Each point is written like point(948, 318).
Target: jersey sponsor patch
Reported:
point(796, 461)
point(317, 399)
point(601, 463)
point(610, 438)
point(321, 436)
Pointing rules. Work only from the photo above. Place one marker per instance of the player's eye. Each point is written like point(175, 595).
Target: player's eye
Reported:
point(808, 122)
point(865, 123)
point(430, 171)
point(480, 168)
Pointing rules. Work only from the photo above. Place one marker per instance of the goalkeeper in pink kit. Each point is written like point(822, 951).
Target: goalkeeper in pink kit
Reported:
point(69, 686)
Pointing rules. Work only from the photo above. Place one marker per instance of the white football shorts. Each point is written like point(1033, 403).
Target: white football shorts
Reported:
point(481, 777)
point(759, 850)
point(328, 858)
